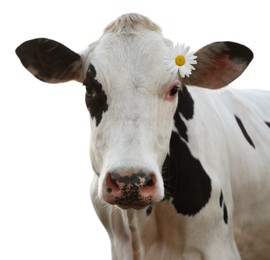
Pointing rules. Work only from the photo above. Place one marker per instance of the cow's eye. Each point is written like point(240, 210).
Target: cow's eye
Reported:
point(171, 93)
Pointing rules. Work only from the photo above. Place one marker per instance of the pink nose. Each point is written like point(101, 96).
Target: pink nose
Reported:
point(130, 190)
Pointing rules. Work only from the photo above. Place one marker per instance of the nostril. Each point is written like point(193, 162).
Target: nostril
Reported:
point(111, 183)
point(150, 180)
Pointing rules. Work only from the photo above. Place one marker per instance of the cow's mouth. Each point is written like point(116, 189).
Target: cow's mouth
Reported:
point(132, 205)
point(135, 203)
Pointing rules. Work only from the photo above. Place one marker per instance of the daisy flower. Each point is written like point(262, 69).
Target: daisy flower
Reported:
point(179, 59)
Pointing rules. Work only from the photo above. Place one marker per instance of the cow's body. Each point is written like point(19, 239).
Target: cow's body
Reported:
point(234, 166)
point(178, 176)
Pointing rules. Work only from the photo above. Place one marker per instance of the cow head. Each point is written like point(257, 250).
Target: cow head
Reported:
point(132, 98)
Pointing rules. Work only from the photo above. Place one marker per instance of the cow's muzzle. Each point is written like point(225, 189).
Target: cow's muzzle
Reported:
point(130, 190)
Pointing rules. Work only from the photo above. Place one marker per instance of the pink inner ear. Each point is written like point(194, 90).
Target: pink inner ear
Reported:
point(217, 74)
point(219, 63)
point(221, 73)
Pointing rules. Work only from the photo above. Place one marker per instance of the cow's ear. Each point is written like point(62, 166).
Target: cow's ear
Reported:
point(50, 61)
point(218, 64)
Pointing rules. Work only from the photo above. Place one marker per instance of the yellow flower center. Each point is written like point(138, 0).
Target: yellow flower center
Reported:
point(180, 60)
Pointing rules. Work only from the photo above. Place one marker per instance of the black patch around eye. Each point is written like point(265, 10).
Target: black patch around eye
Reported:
point(95, 97)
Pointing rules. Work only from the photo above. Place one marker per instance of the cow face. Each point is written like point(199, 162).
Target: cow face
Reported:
point(132, 98)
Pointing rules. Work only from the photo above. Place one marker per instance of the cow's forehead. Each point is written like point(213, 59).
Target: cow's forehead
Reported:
point(130, 44)
point(127, 57)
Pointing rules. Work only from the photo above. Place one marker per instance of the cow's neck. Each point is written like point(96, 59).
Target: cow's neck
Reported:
point(160, 231)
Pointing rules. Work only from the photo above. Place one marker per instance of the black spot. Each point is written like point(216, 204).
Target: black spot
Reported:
point(109, 190)
point(244, 131)
point(185, 180)
point(225, 214)
point(185, 103)
point(221, 199)
point(185, 107)
point(95, 98)
point(268, 124)
point(149, 210)
point(239, 52)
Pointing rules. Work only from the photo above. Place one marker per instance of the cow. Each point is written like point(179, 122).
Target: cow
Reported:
point(181, 167)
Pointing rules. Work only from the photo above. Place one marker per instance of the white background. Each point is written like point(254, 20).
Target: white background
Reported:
point(45, 171)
